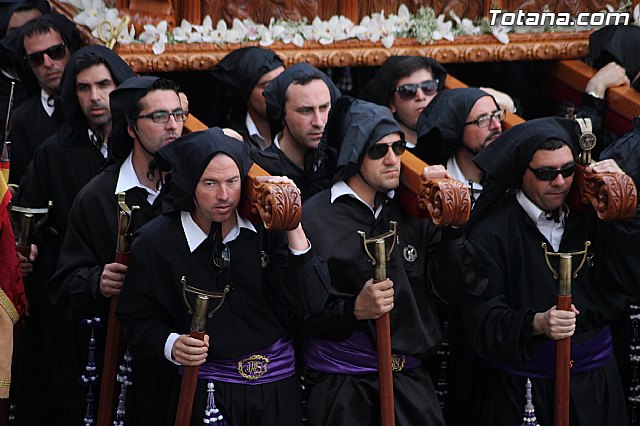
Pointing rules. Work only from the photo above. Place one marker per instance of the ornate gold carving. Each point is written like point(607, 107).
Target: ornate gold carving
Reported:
point(447, 201)
point(253, 367)
point(522, 47)
point(279, 205)
point(612, 195)
point(398, 362)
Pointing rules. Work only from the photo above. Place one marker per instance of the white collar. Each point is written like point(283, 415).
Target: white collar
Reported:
point(276, 141)
point(195, 236)
point(44, 98)
point(254, 133)
point(341, 188)
point(536, 214)
point(454, 170)
point(127, 179)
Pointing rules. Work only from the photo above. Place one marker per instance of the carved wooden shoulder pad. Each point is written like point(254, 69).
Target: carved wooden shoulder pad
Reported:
point(447, 201)
point(613, 196)
point(278, 205)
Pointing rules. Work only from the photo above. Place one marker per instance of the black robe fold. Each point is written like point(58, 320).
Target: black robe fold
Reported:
point(444, 267)
point(520, 284)
point(259, 309)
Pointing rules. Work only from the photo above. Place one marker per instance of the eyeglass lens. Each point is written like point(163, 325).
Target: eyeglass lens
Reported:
point(408, 91)
point(55, 53)
point(379, 150)
point(547, 174)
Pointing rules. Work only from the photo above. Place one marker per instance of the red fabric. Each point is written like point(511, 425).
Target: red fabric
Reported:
point(10, 275)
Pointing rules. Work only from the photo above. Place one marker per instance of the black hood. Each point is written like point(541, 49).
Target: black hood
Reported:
point(380, 88)
point(275, 93)
point(188, 156)
point(353, 126)
point(619, 44)
point(626, 152)
point(441, 124)
point(506, 159)
point(121, 102)
point(8, 8)
point(68, 101)
point(235, 77)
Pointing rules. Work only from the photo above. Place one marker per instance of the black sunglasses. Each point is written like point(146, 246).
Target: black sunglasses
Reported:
point(547, 174)
point(379, 150)
point(408, 91)
point(55, 53)
point(163, 116)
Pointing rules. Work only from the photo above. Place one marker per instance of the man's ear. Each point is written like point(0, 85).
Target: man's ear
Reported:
point(131, 131)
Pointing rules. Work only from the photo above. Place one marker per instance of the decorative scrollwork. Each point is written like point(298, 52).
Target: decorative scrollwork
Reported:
point(447, 201)
point(612, 195)
point(279, 205)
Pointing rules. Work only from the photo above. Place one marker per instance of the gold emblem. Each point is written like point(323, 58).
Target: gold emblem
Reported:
point(397, 362)
point(253, 367)
point(410, 253)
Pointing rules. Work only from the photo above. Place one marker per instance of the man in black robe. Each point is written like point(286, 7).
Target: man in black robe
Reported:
point(147, 114)
point(426, 263)
point(61, 167)
point(43, 60)
point(240, 78)
point(455, 126)
point(515, 324)
point(201, 238)
point(298, 103)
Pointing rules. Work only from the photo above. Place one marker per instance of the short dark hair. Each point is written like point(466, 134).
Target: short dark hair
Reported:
point(38, 26)
point(88, 60)
point(303, 81)
point(159, 84)
point(552, 144)
point(407, 66)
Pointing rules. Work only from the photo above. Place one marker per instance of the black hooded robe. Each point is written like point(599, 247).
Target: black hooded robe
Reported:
point(441, 261)
point(63, 164)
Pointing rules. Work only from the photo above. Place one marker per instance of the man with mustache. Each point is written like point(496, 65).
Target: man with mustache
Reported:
point(62, 165)
point(44, 46)
point(426, 264)
point(455, 126)
point(298, 103)
point(147, 114)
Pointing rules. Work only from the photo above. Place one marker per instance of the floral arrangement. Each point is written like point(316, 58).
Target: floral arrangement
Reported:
point(424, 25)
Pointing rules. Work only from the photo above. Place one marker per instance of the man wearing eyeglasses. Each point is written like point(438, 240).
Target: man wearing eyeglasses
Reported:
point(515, 323)
point(298, 104)
point(246, 360)
point(147, 114)
point(45, 46)
point(61, 166)
point(455, 126)
point(425, 264)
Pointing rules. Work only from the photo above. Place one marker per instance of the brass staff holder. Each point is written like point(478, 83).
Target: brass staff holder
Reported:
point(28, 224)
point(108, 33)
point(201, 311)
point(126, 216)
point(563, 346)
point(383, 324)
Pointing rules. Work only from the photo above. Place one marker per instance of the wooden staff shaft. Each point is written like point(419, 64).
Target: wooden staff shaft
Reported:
point(563, 347)
point(383, 339)
point(190, 373)
point(115, 343)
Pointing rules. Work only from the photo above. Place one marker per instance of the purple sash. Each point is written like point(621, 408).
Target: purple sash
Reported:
point(355, 355)
point(585, 356)
point(269, 365)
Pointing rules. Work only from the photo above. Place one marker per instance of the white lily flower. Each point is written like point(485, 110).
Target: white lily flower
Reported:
point(92, 13)
point(403, 19)
point(636, 14)
point(127, 36)
point(443, 29)
point(156, 35)
point(500, 33)
point(183, 32)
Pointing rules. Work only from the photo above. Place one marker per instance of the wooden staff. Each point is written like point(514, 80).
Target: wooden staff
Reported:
point(197, 331)
point(563, 346)
point(383, 326)
point(114, 340)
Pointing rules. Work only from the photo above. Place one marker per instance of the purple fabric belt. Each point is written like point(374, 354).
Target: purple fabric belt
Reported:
point(355, 355)
point(585, 356)
point(269, 365)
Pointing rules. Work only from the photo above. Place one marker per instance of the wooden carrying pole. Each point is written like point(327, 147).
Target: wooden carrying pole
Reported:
point(115, 340)
point(190, 373)
point(383, 339)
point(563, 346)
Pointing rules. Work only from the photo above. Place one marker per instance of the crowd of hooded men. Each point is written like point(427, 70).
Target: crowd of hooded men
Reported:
point(294, 338)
